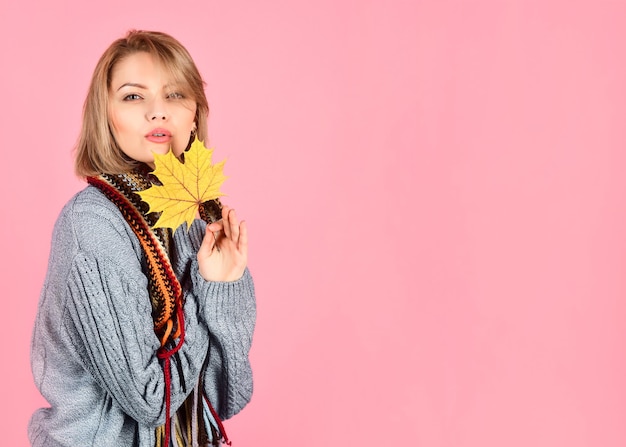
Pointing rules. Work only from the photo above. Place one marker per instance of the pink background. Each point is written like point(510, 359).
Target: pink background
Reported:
point(436, 196)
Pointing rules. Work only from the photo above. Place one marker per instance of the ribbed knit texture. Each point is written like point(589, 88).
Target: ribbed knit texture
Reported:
point(94, 348)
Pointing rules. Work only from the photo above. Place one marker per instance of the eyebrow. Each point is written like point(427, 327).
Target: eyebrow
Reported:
point(131, 84)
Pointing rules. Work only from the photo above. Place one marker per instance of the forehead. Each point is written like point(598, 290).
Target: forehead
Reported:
point(141, 68)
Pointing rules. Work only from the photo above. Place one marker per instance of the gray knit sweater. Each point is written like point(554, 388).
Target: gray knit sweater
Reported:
point(94, 350)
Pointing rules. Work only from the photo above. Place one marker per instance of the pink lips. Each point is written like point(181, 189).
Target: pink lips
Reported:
point(159, 136)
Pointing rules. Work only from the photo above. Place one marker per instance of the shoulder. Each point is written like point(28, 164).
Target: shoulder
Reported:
point(93, 223)
point(90, 201)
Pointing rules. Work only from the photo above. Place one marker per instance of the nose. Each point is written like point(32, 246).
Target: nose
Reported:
point(157, 111)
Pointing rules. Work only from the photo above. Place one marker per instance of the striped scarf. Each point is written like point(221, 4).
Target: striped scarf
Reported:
point(195, 423)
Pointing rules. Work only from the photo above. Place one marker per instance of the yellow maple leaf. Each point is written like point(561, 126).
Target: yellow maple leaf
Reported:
point(184, 186)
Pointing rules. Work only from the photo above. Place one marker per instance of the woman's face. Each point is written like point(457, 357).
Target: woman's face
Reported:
point(148, 112)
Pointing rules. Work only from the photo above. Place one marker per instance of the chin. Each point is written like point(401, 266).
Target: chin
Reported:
point(161, 150)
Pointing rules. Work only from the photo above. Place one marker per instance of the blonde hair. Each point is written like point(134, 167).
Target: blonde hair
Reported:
point(97, 151)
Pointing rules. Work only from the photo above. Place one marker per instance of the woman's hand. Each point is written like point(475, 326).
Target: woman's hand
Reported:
point(223, 255)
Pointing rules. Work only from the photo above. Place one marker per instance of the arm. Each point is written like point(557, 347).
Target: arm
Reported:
point(227, 308)
point(108, 319)
point(229, 311)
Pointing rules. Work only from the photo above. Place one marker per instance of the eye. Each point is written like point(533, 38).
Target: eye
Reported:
point(132, 97)
point(175, 95)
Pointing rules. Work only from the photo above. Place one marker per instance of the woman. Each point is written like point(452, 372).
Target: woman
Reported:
point(142, 336)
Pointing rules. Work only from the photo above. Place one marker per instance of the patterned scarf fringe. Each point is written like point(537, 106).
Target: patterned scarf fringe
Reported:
point(195, 423)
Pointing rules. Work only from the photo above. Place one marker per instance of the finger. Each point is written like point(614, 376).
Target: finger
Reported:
point(216, 229)
point(225, 221)
point(216, 226)
point(243, 238)
point(234, 225)
point(208, 243)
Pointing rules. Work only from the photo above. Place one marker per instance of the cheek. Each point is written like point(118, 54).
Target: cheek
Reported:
point(180, 144)
point(184, 136)
point(121, 122)
point(190, 116)
point(114, 123)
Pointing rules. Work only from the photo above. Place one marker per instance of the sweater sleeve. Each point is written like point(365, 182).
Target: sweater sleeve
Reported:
point(228, 309)
point(108, 317)
point(109, 322)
